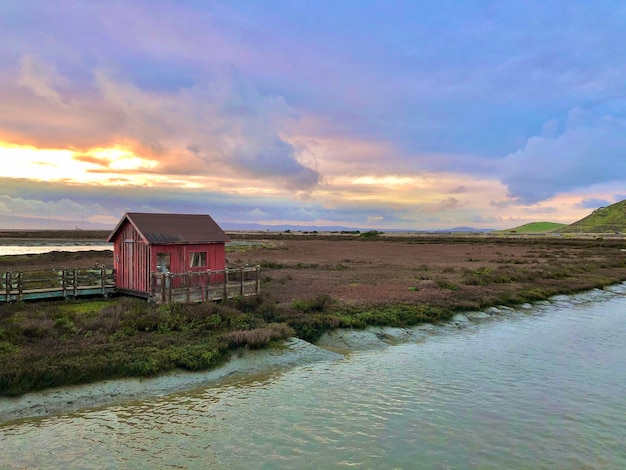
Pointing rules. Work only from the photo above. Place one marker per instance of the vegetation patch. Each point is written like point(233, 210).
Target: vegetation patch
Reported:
point(610, 219)
point(321, 285)
point(534, 227)
point(49, 344)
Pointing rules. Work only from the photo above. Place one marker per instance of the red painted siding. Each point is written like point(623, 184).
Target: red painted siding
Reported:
point(180, 256)
point(134, 259)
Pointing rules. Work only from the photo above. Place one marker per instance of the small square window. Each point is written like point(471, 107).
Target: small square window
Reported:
point(197, 259)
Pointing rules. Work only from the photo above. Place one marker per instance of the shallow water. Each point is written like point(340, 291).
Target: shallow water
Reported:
point(31, 247)
point(543, 387)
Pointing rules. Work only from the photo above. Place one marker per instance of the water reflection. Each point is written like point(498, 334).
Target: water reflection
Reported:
point(540, 390)
point(30, 247)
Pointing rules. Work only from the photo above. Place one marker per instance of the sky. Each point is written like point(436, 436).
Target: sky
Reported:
point(413, 115)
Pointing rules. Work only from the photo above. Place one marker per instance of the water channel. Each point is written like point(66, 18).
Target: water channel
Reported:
point(540, 387)
point(11, 246)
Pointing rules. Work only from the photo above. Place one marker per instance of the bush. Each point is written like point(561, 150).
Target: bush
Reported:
point(316, 304)
point(259, 337)
point(370, 235)
point(311, 327)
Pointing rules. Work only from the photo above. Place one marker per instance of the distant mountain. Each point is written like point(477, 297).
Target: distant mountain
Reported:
point(335, 228)
point(607, 219)
point(8, 222)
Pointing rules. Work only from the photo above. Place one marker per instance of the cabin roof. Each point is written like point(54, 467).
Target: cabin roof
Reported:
point(173, 228)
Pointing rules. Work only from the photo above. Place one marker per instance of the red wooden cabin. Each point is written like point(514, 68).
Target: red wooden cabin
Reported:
point(146, 243)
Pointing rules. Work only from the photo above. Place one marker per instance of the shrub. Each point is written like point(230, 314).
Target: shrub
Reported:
point(310, 327)
point(370, 235)
point(316, 304)
point(259, 337)
point(270, 264)
point(445, 284)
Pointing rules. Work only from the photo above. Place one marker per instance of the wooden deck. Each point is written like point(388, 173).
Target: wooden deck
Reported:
point(164, 287)
point(206, 285)
point(35, 285)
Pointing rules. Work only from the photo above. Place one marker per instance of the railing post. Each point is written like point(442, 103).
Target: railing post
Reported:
point(153, 283)
point(162, 288)
point(170, 287)
point(241, 282)
point(209, 294)
point(258, 276)
point(7, 283)
point(20, 287)
point(64, 282)
point(225, 283)
point(75, 283)
point(203, 286)
point(187, 278)
point(103, 279)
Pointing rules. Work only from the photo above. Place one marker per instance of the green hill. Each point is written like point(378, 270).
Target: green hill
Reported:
point(534, 227)
point(608, 219)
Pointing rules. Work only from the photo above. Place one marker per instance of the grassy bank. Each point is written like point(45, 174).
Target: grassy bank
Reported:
point(50, 344)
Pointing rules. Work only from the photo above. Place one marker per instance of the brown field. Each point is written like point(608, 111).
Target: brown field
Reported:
point(434, 270)
point(100, 235)
point(425, 269)
point(55, 260)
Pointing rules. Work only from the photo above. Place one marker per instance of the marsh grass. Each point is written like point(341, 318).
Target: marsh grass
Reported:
point(48, 344)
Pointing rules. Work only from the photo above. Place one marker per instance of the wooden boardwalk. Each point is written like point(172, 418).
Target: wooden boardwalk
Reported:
point(165, 288)
point(35, 285)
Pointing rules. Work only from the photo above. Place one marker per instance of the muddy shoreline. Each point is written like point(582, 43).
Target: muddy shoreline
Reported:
point(333, 345)
point(110, 392)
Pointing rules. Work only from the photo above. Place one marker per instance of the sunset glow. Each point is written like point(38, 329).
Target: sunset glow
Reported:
point(409, 116)
point(93, 166)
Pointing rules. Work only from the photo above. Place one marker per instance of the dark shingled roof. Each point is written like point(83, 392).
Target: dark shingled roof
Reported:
point(173, 228)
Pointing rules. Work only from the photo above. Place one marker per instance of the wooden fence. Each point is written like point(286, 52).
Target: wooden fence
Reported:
point(56, 283)
point(164, 287)
point(206, 285)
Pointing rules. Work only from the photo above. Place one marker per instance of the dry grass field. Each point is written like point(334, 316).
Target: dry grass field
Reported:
point(435, 269)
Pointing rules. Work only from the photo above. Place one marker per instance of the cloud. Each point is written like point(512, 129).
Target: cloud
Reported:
point(593, 203)
point(586, 153)
point(459, 189)
point(61, 208)
point(41, 78)
point(450, 203)
point(257, 214)
point(540, 210)
point(504, 204)
point(228, 107)
point(224, 126)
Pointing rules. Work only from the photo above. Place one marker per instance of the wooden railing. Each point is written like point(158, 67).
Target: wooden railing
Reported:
point(205, 285)
point(27, 285)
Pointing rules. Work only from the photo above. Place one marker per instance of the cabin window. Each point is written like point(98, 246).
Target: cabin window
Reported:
point(197, 259)
point(163, 262)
